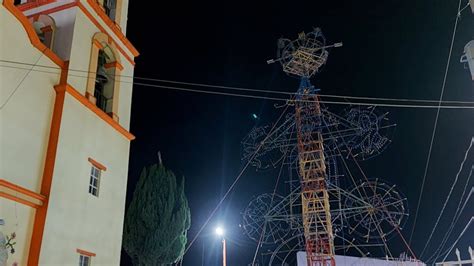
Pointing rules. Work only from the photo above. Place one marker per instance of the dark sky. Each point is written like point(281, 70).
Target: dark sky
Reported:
point(392, 48)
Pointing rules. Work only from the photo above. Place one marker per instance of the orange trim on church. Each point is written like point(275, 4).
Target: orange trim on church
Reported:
point(30, 195)
point(97, 164)
point(54, 9)
point(109, 120)
point(114, 27)
point(50, 161)
point(102, 29)
point(34, 3)
point(19, 200)
point(34, 39)
point(97, 43)
point(85, 253)
point(47, 28)
point(40, 215)
point(114, 65)
point(21, 190)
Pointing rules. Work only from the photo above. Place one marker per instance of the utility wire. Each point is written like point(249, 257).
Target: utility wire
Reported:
point(270, 208)
point(22, 80)
point(271, 132)
point(456, 216)
point(388, 214)
point(435, 126)
point(271, 203)
point(238, 88)
point(357, 188)
point(367, 180)
point(283, 99)
point(468, 4)
point(462, 209)
point(448, 197)
point(459, 237)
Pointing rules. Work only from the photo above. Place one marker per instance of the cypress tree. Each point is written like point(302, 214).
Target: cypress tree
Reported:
point(157, 219)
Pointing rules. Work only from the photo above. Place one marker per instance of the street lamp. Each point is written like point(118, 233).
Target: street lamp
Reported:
point(220, 232)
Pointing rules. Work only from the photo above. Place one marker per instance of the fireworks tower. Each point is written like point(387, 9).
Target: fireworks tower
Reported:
point(303, 58)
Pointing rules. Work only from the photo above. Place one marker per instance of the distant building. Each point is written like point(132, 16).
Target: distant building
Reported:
point(352, 261)
point(65, 95)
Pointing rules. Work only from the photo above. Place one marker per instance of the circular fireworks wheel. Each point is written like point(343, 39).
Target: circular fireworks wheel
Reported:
point(370, 132)
point(265, 157)
point(265, 219)
point(374, 210)
point(286, 253)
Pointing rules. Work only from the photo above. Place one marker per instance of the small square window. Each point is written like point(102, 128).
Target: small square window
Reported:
point(94, 181)
point(84, 260)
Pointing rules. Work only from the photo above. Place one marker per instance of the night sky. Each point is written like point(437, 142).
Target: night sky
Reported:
point(392, 48)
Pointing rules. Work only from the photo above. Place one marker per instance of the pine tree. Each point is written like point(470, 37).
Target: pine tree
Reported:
point(157, 219)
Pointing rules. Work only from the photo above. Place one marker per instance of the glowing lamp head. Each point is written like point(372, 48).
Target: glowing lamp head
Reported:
point(219, 231)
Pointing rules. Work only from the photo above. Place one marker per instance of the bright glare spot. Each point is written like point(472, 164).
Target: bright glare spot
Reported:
point(219, 231)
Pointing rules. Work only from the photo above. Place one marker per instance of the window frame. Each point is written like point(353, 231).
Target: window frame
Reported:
point(85, 254)
point(82, 258)
point(97, 168)
point(94, 187)
point(100, 42)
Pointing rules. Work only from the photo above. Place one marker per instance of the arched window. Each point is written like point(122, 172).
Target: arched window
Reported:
point(104, 82)
point(45, 27)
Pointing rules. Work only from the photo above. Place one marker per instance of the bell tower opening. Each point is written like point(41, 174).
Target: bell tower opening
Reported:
point(105, 80)
point(45, 28)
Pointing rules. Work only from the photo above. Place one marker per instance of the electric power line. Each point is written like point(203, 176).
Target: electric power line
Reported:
point(448, 197)
point(271, 132)
point(459, 237)
point(22, 80)
point(367, 180)
point(321, 101)
point(436, 121)
point(234, 88)
point(456, 217)
point(462, 209)
point(270, 208)
point(279, 98)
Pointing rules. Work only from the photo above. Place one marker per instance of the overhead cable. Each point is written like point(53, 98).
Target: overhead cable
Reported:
point(470, 105)
point(232, 87)
point(435, 125)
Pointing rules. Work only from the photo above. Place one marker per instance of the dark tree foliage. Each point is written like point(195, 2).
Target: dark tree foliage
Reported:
point(157, 219)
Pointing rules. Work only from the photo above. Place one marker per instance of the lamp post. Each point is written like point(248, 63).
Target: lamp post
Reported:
point(220, 232)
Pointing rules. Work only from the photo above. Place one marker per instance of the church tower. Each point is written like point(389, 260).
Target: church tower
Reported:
point(66, 72)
